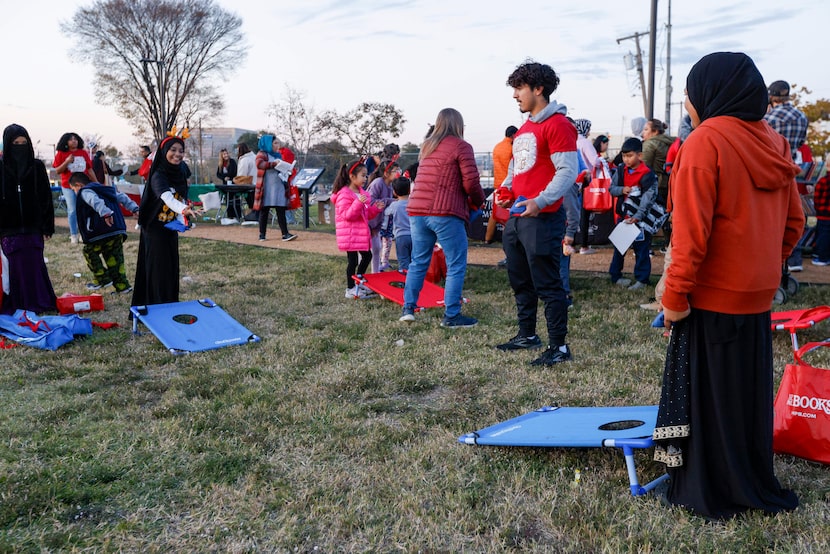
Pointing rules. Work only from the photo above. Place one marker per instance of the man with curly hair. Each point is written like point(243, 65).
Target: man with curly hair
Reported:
point(544, 166)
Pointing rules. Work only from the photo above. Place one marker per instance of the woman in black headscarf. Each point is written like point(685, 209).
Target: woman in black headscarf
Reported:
point(164, 200)
point(27, 219)
point(732, 191)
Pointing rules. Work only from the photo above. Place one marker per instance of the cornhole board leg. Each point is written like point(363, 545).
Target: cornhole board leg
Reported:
point(628, 446)
point(191, 326)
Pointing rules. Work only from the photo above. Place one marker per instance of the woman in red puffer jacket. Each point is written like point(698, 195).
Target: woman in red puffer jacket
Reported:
point(446, 189)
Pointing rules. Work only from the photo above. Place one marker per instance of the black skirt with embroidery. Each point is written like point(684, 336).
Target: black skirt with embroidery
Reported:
point(714, 423)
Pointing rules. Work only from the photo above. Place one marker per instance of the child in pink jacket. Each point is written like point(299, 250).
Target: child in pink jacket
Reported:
point(352, 212)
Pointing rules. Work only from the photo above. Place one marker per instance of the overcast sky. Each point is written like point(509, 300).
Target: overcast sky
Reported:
point(422, 56)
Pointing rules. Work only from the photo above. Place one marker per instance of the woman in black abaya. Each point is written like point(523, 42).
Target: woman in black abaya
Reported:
point(732, 187)
point(165, 198)
point(27, 218)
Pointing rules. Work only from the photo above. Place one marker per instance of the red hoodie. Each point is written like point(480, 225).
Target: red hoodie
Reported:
point(736, 216)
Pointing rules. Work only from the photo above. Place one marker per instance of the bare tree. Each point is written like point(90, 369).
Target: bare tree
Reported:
point(155, 58)
point(365, 128)
point(296, 122)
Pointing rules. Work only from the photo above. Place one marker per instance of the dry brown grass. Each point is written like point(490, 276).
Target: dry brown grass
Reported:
point(326, 436)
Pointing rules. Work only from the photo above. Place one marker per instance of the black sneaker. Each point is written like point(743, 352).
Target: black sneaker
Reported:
point(96, 286)
point(289, 236)
point(459, 321)
point(553, 356)
point(521, 343)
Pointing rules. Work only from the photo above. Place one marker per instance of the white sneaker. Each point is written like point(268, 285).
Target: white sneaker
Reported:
point(365, 292)
point(622, 282)
point(73, 239)
point(352, 292)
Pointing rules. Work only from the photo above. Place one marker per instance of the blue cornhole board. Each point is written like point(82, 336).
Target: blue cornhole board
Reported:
point(191, 326)
point(626, 427)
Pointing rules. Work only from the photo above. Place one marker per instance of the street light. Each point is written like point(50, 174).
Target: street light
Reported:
point(160, 82)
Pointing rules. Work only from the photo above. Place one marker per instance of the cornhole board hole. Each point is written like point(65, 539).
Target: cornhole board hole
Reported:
point(191, 326)
point(626, 427)
point(390, 285)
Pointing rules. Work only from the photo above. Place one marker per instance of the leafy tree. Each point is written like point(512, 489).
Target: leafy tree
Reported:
point(329, 155)
point(366, 128)
point(410, 148)
point(251, 139)
point(184, 45)
point(295, 122)
point(818, 113)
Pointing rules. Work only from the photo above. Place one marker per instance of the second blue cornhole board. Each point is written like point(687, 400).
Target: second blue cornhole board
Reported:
point(191, 326)
point(625, 427)
point(580, 427)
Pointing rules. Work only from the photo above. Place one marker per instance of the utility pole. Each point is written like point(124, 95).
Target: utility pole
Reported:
point(669, 89)
point(652, 54)
point(639, 66)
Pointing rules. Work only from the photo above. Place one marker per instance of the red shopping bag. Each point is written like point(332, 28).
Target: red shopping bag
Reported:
point(802, 409)
point(293, 197)
point(596, 197)
point(438, 266)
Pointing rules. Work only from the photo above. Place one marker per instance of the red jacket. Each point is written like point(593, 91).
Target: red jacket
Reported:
point(821, 199)
point(736, 216)
point(447, 182)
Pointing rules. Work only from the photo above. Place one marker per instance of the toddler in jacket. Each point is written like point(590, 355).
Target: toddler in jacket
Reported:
point(103, 231)
point(352, 211)
point(636, 187)
point(400, 222)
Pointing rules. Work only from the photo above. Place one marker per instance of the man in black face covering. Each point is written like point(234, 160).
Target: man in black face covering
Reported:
point(27, 218)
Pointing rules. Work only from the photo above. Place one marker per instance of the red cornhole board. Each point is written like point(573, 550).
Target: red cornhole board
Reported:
point(390, 285)
point(793, 321)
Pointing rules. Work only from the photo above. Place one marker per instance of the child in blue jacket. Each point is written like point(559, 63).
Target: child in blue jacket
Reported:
point(103, 231)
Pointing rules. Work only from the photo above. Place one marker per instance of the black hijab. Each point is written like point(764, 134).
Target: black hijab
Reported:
point(173, 172)
point(727, 83)
point(17, 157)
point(172, 176)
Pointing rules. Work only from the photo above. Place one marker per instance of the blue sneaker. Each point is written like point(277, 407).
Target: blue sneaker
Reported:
point(458, 321)
point(408, 315)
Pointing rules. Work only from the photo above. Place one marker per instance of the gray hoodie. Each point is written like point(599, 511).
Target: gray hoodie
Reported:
point(566, 163)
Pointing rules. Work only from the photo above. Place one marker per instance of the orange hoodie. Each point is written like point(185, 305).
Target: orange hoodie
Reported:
point(736, 216)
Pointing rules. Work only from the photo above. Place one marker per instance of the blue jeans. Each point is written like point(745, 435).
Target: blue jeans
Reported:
point(565, 272)
point(450, 232)
point(71, 201)
point(822, 249)
point(642, 261)
point(403, 251)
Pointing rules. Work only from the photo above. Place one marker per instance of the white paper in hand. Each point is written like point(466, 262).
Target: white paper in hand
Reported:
point(624, 235)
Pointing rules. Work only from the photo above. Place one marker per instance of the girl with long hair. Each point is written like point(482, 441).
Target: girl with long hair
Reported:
point(380, 191)
point(71, 156)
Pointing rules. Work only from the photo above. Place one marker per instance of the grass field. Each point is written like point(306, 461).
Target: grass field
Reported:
point(328, 437)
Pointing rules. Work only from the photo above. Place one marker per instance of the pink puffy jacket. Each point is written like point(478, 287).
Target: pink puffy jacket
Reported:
point(351, 220)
